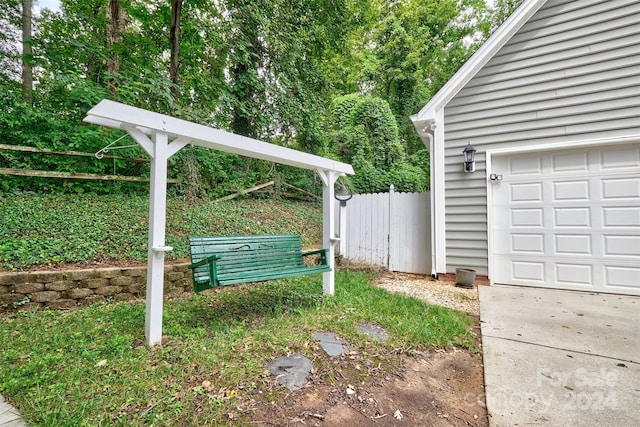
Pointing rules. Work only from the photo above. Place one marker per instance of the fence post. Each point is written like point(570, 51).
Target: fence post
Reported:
point(389, 237)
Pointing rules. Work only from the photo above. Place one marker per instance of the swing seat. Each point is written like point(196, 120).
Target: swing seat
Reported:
point(221, 261)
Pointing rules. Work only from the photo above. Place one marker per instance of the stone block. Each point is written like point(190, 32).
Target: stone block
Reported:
point(124, 297)
point(14, 278)
point(61, 285)
point(45, 296)
point(94, 283)
point(78, 293)
point(62, 304)
point(108, 290)
point(142, 280)
point(136, 288)
point(135, 271)
point(121, 281)
point(9, 299)
point(173, 276)
point(46, 276)
point(27, 288)
point(82, 274)
point(108, 273)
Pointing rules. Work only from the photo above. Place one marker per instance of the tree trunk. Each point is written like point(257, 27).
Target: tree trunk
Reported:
point(115, 26)
point(27, 71)
point(174, 40)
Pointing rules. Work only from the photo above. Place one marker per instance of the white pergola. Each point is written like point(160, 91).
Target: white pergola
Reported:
point(162, 136)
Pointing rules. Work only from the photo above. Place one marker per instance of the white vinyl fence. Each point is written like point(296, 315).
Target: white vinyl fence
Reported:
point(391, 230)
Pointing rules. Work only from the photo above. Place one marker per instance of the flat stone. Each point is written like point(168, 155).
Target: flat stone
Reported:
point(45, 296)
point(9, 416)
point(373, 331)
point(331, 344)
point(28, 288)
point(292, 371)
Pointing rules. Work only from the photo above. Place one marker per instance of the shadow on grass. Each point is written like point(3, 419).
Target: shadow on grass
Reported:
point(245, 303)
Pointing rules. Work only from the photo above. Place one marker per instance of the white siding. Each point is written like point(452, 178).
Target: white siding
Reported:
point(571, 73)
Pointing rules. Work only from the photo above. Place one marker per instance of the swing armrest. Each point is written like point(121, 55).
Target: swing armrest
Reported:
point(208, 260)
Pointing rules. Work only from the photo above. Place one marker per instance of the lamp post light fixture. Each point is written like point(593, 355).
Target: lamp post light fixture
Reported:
point(469, 163)
point(343, 196)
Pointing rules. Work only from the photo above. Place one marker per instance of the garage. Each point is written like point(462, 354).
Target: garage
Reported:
point(567, 219)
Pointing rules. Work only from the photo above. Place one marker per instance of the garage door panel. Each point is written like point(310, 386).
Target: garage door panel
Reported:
point(568, 162)
point(569, 219)
point(621, 217)
point(527, 217)
point(620, 158)
point(528, 271)
point(574, 274)
point(571, 190)
point(572, 217)
point(527, 243)
point(622, 277)
point(573, 244)
point(528, 165)
point(526, 192)
point(621, 188)
point(626, 246)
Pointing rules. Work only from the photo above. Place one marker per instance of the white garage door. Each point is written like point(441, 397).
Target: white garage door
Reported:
point(568, 219)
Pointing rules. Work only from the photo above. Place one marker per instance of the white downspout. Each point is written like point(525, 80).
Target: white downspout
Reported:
point(432, 204)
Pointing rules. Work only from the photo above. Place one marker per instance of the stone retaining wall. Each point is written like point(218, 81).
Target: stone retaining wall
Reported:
point(67, 289)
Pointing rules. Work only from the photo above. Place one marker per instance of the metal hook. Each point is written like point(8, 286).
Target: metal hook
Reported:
point(102, 151)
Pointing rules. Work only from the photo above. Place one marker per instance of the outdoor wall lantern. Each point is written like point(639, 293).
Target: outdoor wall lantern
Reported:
point(469, 163)
point(344, 195)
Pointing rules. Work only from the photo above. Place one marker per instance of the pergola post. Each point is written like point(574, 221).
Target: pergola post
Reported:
point(329, 239)
point(159, 150)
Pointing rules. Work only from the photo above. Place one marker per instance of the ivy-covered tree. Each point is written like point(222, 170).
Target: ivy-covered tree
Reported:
point(363, 131)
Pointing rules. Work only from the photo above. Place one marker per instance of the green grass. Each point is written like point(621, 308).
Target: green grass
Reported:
point(40, 230)
point(91, 367)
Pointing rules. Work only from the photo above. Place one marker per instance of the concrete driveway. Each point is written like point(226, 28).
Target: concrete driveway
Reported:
point(560, 358)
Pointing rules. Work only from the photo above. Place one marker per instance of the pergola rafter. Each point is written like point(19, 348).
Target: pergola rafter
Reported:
point(162, 136)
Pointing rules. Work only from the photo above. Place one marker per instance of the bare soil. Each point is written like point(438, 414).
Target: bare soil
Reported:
point(439, 388)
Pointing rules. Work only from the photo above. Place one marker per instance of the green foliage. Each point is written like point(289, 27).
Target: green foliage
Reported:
point(363, 131)
point(48, 230)
point(407, 50)
point(267, 69)
point(214, 355)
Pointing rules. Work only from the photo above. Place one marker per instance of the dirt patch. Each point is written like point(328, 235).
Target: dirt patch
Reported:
point(440, 388)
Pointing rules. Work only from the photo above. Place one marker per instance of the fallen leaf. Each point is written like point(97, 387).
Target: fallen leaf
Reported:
point(101, 363)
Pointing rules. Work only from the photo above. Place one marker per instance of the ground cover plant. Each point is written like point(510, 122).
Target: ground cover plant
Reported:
point(91, 367)
point(45, 230)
